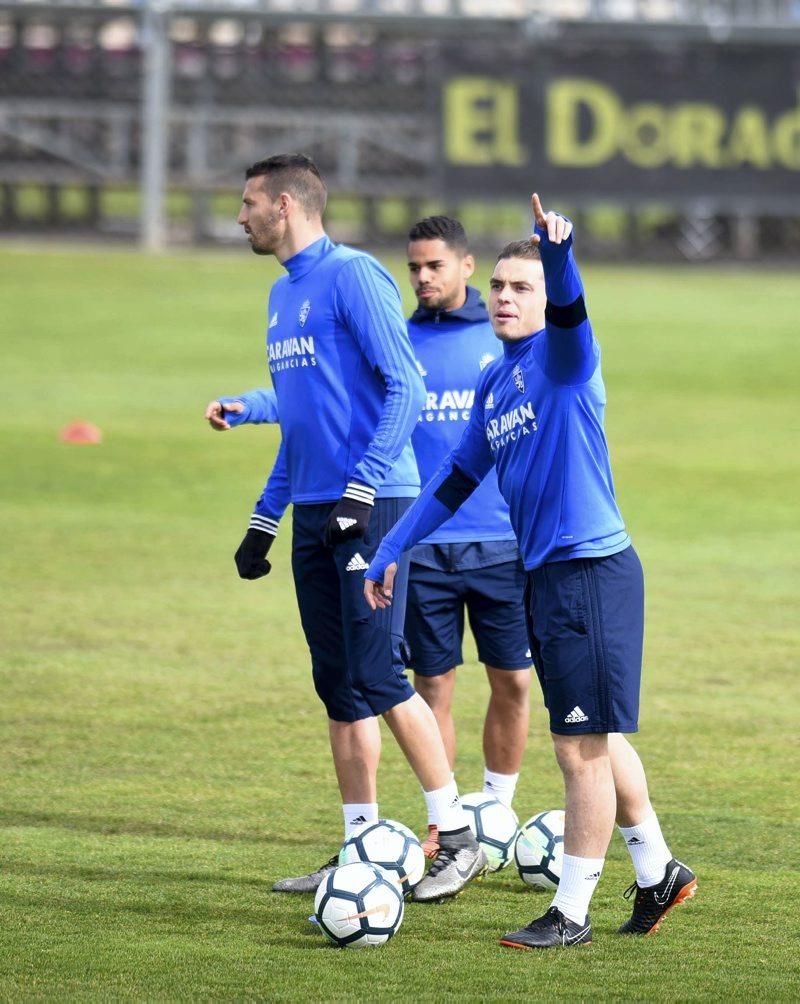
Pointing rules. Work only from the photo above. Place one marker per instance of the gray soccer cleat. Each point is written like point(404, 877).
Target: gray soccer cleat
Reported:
point(459, 861)
point(307, 883)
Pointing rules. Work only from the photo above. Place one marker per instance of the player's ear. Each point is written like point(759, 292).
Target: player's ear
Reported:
point(467, 265)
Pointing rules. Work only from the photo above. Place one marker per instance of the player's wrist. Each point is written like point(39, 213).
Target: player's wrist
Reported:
point(357, 492)
point(235, 417)
point(265, 524)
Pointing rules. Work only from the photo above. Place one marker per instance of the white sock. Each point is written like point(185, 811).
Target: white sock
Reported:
point(502, 786)
point(579, 876)
point(356, 814)
point(648, 850)
point(444, 808)
point(432, 812)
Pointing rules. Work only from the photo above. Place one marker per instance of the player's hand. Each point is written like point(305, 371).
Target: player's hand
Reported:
point(379, 594)
point(215, 413)
point(349, 519)
point(251, 556)
point(558, 227)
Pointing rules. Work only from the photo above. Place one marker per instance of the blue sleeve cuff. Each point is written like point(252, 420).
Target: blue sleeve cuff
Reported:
point(234, 418)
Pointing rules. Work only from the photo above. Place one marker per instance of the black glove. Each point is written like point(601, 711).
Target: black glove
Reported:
point(350, 516)
point(251, 558)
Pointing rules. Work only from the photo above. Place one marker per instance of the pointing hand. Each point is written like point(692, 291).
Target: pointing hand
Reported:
point(558, 227)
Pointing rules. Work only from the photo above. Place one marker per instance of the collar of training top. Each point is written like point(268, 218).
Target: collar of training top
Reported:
point(472, 310)
point(299, 264)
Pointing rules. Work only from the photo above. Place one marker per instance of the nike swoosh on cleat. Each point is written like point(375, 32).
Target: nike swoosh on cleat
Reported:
point(465, 874)
point(668, 891)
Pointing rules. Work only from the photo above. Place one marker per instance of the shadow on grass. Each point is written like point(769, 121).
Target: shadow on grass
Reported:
point(106, 826)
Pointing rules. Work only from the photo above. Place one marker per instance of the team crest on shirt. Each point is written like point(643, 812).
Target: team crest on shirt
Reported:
point(519, 379)
point(484, 361)
point(303, 315)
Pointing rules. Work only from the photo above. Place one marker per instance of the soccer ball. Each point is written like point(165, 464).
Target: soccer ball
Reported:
point(390, 845)
point(539, 851)
point(495, 826)
point(358, 906)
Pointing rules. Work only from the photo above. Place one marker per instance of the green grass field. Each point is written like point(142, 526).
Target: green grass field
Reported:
point(163, 758)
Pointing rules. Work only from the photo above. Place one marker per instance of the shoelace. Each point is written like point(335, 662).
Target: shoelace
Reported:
point(334, 861)
point(445, 858)
point(630, 891)
point(561, 924)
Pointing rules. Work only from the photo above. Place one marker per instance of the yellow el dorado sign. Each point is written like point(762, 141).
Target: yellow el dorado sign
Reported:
point(588, 124)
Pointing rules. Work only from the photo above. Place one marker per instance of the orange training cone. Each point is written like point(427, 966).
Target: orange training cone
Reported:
point(80, 432)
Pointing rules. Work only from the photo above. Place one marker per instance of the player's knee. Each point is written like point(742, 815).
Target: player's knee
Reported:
point(511, 686)
point(581, 754)
point(436, 691)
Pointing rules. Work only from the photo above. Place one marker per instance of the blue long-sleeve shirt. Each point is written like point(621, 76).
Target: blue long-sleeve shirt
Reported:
point(347, 388)
point(538, 419)
point(260, 407)
point(452, 348)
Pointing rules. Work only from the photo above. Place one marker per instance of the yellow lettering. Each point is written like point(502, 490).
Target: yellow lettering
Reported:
point(645, 139)
point(696, 132)
point(569, 100)
point(786, 139)
point(749, 139)
point(481, 117)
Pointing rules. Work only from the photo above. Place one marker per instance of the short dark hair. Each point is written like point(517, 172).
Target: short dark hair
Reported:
point(521, 249)
point(441, 228)
point(293, 173)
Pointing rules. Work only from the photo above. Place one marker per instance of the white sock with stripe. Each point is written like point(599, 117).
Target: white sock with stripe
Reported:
point(444, 808)
point(356, 814)
point(579, 877)
point(648, 850)
point(502, 786)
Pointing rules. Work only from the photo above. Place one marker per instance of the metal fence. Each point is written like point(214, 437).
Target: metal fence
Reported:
point(673, 127)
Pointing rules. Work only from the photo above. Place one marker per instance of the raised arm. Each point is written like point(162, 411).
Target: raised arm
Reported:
point(571, 352)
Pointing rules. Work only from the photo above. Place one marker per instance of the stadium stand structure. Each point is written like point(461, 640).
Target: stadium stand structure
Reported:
point(355, 83)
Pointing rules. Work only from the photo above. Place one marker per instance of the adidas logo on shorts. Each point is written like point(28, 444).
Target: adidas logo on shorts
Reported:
point(356, 564)
point(575, 716)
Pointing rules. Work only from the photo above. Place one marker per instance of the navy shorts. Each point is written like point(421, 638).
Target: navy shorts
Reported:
point(586, 621)
point(493, 598)
point(356, 656)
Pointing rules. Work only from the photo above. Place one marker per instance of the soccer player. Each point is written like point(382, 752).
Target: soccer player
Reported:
point(348, 396)
point(538, 419)
point(472, 560)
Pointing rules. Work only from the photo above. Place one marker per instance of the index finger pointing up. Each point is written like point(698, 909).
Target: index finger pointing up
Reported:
point(538, 212)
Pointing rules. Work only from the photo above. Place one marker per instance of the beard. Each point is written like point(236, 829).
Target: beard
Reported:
point(441, 301)
point(263, 241)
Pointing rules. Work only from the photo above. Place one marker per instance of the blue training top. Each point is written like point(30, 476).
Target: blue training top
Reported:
point(538, 419)
point(452, 348)
point(348, 391)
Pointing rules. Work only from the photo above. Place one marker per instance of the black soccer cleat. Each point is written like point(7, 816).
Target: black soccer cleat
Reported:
point(307, 883)
point(553, 930)
point(651, 905)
